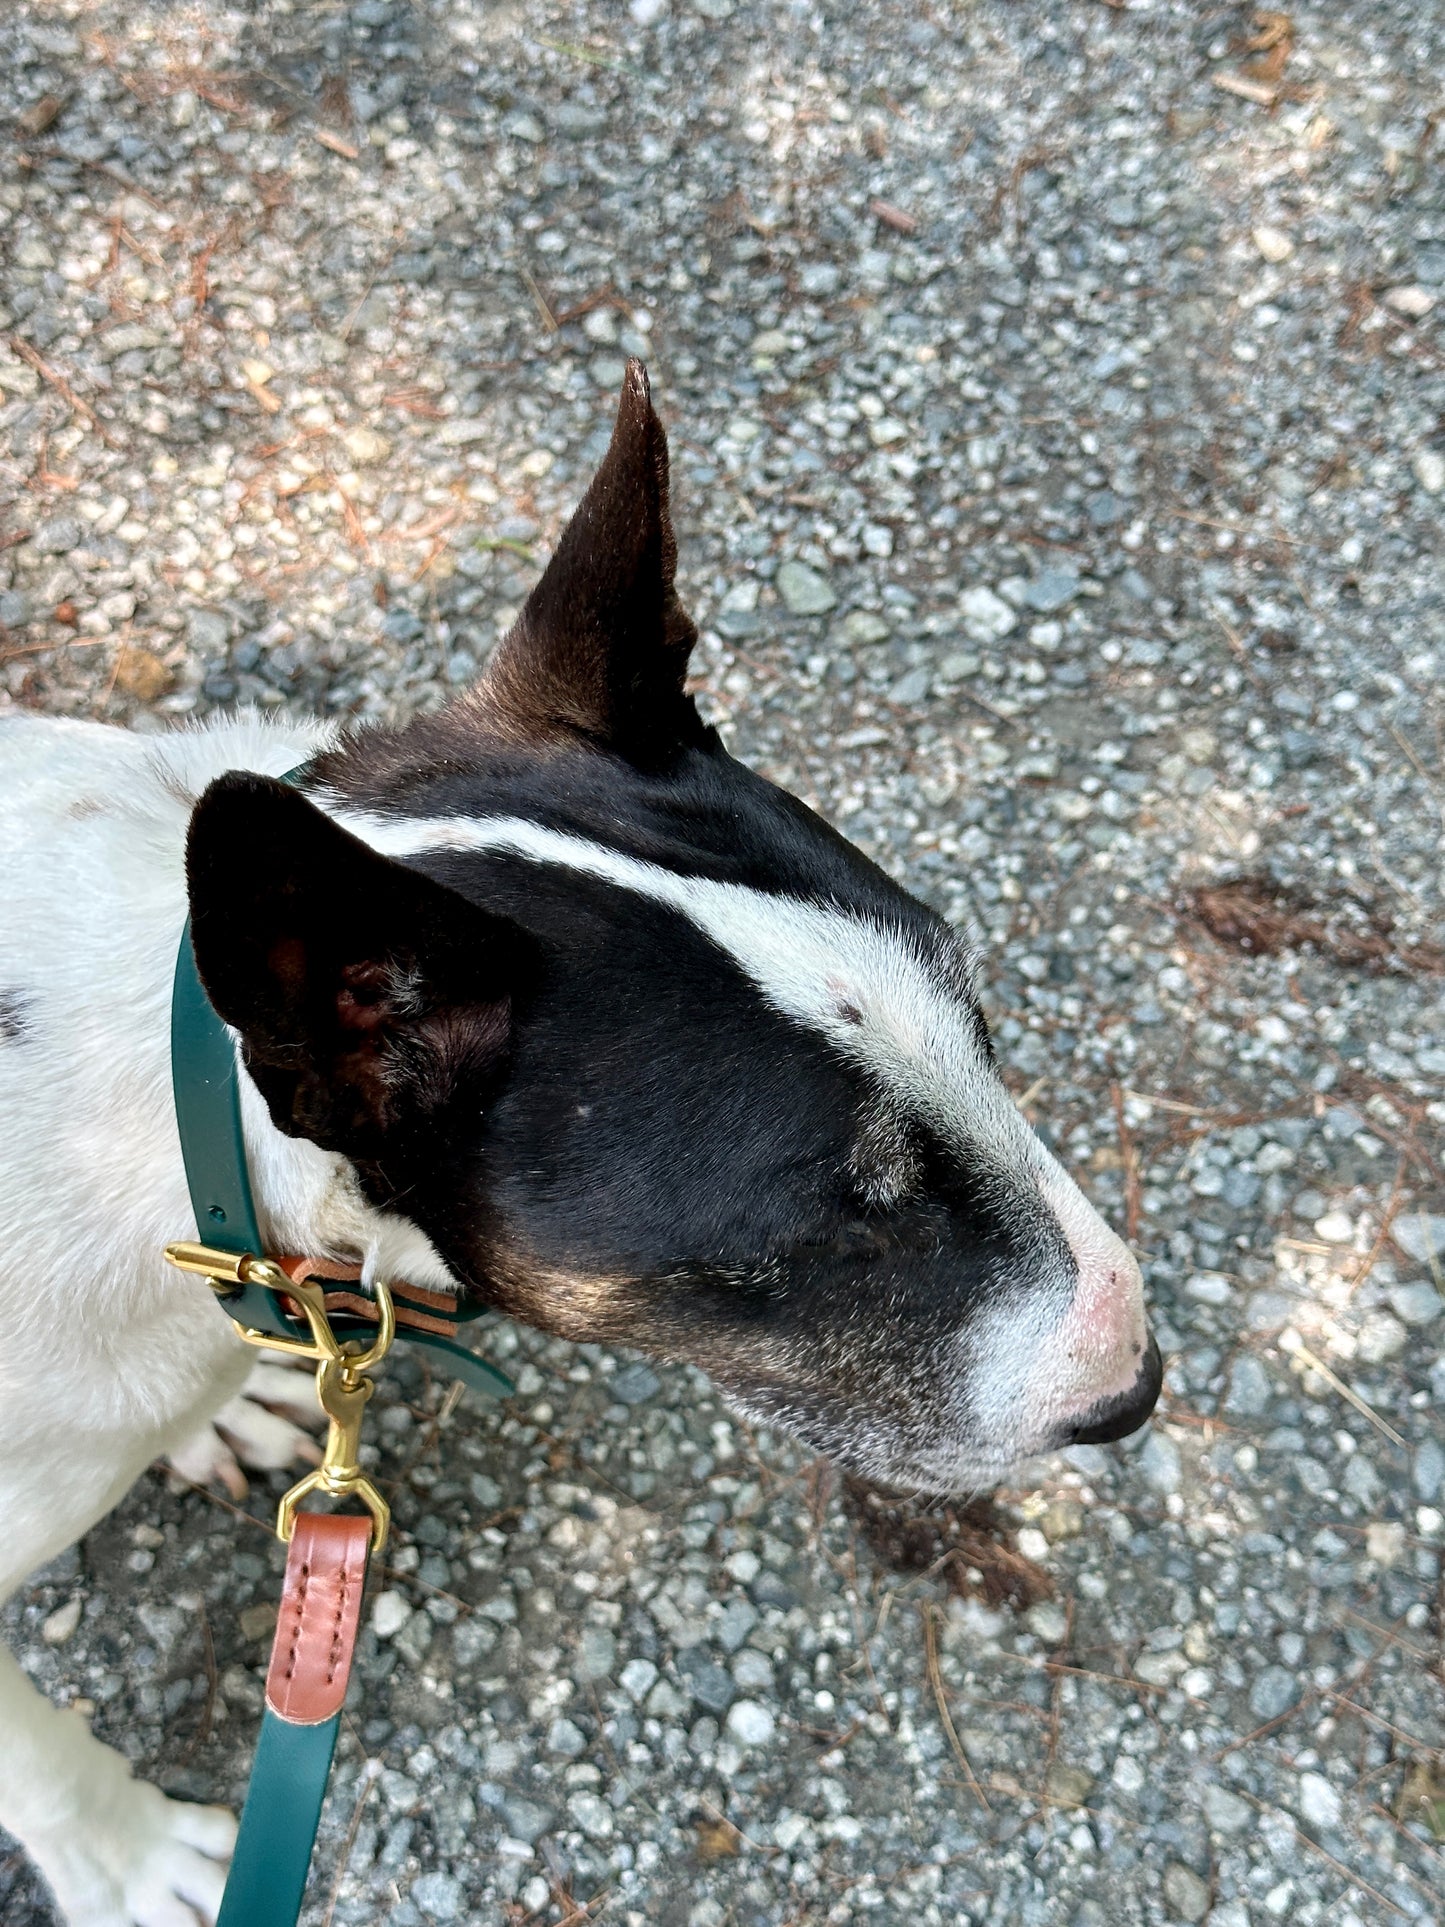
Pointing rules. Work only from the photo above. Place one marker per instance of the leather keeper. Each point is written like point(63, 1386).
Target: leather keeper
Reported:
point(416, 1308)
point(320, 1613)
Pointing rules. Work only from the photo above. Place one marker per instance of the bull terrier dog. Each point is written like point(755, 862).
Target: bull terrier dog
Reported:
point(543, 1000)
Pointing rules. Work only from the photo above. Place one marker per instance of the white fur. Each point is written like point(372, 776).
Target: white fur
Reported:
point(1044, 1356)
point(108, 1358)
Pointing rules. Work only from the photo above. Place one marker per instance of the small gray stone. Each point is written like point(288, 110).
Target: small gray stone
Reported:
point(1274, 1692)
point(957, 664)
point(596, 1653)
point(592, 1814)
point(1241, 1188)
point(1319, 1802)
point(818, 277)
point(1068, 1786)
point(634, 1384)
point(389, 1614)
point(739, 1616)
point(709, 1684)
point(910, 689)
point(486, 1491)
point(58, 536)
point(986, 616)
point(1210, 1288)
point(607, 370)
point(60, 1624)
point(15, 608)
point(576, 120)
point(636, 1678)
point(1417, 1303)
point(526, 1819)
point(1362, 1481)
point(753, 1671)
point(804, 591)
point(458, 430)
point(664, 1702)
point(751, 1724)
point(1250, 1389)
point(1161, 1463)
point(523, 126)
point(1052, 588)
point(1185, 1894)
point(860, 627)
point(208, 631)
point(566, 1739)
point(439, 1895)
point(1429, 1470)
point(1421, 1234)
point(1381, 1337)
point(1225, 1811)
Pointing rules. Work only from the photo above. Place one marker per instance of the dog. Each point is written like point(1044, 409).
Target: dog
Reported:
point(542, 999)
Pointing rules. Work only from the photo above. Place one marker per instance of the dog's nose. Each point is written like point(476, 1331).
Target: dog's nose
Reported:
point(1117, 1417)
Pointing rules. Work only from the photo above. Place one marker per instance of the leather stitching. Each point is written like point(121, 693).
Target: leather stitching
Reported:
point(300, 1619)
point(318, 1621)
point(336, 1654)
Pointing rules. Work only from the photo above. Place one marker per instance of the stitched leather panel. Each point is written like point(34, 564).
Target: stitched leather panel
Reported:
point(320, 1611)
point(416, 1308)
point(409, 1317)
point(323, 1270)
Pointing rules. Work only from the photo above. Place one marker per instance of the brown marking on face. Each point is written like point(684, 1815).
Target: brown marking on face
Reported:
point(84, 807)
point(583, 1308)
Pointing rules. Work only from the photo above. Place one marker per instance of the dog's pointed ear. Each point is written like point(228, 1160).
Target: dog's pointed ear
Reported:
point(369, 998)
point(601, 647)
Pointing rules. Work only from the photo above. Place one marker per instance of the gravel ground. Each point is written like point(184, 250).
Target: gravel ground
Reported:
point(1058, 409)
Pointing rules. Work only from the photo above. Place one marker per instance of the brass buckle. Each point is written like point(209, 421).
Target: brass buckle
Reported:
point(342, 1382)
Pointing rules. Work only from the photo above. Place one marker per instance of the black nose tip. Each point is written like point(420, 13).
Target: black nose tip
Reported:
point(1117, 1417)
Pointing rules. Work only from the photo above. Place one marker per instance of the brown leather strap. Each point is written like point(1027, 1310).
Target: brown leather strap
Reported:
point(320, 1612)
point(417, 1308)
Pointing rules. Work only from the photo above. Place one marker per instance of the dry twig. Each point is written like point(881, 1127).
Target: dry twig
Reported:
point(928, 1612)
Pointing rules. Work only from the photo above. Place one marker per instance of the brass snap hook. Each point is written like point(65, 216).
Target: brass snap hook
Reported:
point(342, 1382)
point(343, 1389)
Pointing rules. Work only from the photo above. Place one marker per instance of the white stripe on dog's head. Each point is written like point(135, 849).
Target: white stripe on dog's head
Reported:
point(873, 990)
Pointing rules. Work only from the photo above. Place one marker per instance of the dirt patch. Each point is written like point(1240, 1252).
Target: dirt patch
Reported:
point(968, 1544)
point(1260, 915)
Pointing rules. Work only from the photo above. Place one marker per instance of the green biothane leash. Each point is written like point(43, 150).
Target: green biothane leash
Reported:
point(298, 1734)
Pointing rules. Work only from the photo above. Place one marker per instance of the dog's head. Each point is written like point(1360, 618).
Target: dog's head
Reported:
point(652, 1055)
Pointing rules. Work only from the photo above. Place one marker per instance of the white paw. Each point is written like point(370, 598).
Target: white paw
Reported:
point(147, 1862)
point(258, 1428)
point(181, 1873)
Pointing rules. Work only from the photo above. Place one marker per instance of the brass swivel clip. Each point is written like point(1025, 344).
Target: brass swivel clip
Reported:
point(343, 1384)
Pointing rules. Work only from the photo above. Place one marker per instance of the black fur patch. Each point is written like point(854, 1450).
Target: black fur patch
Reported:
point(14, 1016)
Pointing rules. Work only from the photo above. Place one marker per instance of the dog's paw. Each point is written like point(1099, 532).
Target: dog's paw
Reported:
point(148, 1862)
point(260, 1427)
point(180, 1873)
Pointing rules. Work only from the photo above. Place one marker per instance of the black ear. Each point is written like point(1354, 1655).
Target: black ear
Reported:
point(601, 647)
point(368, 998)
